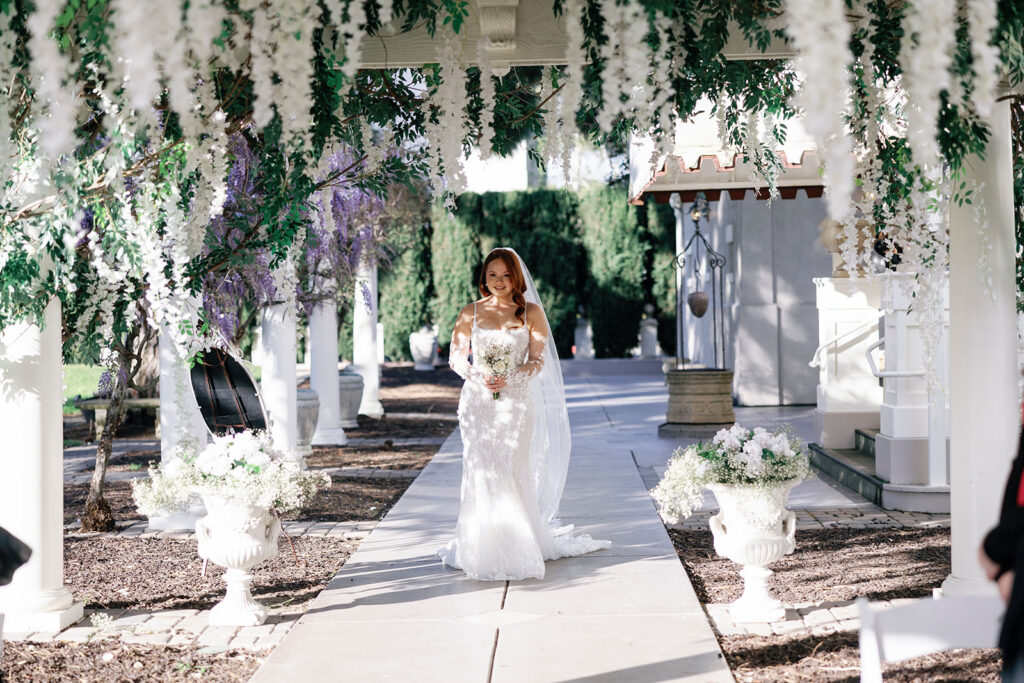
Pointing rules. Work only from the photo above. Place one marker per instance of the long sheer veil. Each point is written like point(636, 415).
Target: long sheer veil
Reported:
point(550, 442)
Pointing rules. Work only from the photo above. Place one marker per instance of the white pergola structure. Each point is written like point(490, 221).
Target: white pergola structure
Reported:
point(984, 416)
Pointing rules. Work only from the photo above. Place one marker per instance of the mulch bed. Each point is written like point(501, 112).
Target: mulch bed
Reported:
point(103, 661)
point(835, 658)
point(834, 565)
point(405, 390)
point(118, 495)
point(829, 565)
point(400, 428)
point(348, 499)
point(352, 499)
point(394, 458)
point(164, 573)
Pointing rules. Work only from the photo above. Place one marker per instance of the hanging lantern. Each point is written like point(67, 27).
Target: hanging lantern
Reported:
point(698, 303)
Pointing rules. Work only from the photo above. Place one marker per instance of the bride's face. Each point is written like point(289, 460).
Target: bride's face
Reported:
point(499, 279)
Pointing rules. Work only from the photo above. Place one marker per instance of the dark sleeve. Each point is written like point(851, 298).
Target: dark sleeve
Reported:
point(1001, 542)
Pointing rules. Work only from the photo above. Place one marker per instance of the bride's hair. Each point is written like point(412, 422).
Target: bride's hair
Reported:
point(518, 281)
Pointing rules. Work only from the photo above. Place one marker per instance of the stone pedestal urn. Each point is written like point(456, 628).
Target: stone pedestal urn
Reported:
point(307, 411)
point(350, 394)
point(754, 529)
point(237, 536)
point(423, 346)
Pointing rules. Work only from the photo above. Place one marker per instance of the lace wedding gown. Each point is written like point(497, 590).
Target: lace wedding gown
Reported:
point(500, 534)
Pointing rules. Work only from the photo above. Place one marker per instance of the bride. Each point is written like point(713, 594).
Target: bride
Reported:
point(515, 432)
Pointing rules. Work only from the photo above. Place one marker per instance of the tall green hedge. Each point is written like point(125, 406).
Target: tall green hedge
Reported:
point(406, 291)
point(455, 261)
point(591, 251)
point(616, 251)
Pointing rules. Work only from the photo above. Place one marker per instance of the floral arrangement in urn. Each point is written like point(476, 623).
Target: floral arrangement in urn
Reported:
point(243, 467)
point(751, 472)
point(737, 456)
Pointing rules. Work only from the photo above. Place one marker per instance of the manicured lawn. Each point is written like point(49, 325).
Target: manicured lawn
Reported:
point(79, 380)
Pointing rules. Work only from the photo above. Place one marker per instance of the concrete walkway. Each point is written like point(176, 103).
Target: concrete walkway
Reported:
point(624, 614)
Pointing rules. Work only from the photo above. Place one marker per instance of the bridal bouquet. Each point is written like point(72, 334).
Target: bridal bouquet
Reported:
point(243, 467)
point(756, 458)
point(496, 359)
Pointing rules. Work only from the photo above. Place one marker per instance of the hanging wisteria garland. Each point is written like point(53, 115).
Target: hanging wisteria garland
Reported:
point(168, 88)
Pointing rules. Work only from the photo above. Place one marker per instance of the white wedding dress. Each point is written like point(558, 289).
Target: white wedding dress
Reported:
point(503, 532)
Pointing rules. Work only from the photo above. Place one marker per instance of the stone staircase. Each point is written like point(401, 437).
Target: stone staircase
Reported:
point(854, 468)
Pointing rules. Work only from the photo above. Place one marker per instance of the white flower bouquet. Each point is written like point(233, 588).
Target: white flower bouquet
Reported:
point(736, 455)
point(243, 467)
point(496, 359)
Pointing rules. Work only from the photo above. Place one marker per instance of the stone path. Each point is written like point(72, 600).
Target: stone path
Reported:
point(628, 613)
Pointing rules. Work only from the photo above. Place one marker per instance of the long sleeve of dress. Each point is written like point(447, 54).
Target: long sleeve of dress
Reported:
point(534, 361)
point(458, 356)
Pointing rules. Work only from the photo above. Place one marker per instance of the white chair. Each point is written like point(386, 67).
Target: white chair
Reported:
point(892, 634)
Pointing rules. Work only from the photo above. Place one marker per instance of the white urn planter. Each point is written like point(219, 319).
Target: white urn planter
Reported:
point(754, 529)
point(350, 395)
point(307, 413)
point(423, 346)
point(237, 536)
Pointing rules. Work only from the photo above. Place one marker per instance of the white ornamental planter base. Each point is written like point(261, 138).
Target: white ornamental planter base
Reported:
point(754, 529)
point(237, 536)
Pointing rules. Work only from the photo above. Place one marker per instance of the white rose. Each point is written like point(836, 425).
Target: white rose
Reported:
point(213, 461)
point(259, 459)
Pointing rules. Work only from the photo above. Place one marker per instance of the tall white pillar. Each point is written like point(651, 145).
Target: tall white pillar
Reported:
point(983, 358)
point(323, 373)
point(364, 338)
point(32, 475)
point(278, 382)
point(180, 421)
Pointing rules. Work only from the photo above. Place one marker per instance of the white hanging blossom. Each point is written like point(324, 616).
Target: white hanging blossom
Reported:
point(262, 55)
point(552, 134)
point(487, 91)
point(51, 69)
point(385, 12)
point(981, 25)
point(445, 134)
point(929, 37)
point(352, 30)
point(204, 20)
point(625, 66)
point(294, 67)
point(821, 36)
point(662, 114)
point(8, 150)
point(725, 137)
point(572, 91)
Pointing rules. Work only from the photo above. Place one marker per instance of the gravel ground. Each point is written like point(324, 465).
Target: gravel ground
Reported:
point(351, 499)
point(103, 661)
point(152, 573)
point(833, 565)
point(395, 458)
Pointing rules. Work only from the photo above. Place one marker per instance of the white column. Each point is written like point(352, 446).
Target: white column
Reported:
point(180, 421)
point(323, 373)
point(32, 475)
point(278, 382)
point(364, 338)
point(983, 358)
